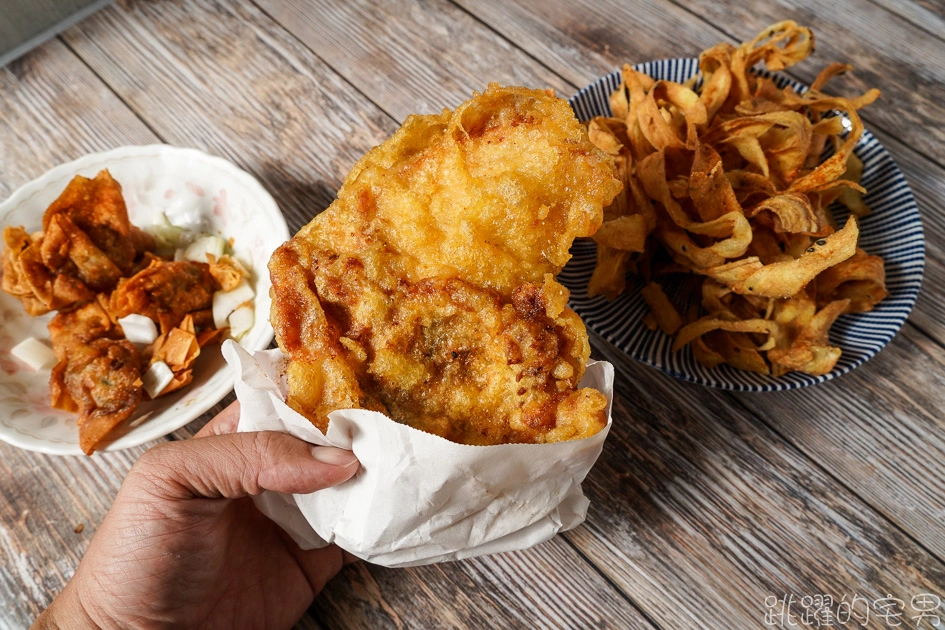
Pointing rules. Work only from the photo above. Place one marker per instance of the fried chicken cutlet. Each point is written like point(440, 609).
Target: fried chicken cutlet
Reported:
point(426, 290)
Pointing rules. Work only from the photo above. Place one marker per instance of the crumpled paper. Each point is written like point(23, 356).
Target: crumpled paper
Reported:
point(418, 498)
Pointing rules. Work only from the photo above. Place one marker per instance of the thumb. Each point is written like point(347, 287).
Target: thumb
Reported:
point(240, 464)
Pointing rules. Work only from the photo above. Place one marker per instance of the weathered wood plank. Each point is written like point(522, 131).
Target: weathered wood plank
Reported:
point(924, 15)
point(42, 500)
point(829, 549)
point(697, 518)
point(546, 587)
point(699, 514)
point(928, 185)
point(308, 622)
point(55, 110)
point(877, 523)
point(223, 77)
point(583, 40)
point(886, 448)
point(409, 57)
point(886, 50)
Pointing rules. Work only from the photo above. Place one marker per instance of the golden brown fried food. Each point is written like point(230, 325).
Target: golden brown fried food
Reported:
point(66, 247)
point(26, 277)
point(98, 374)
point(165, 292)
point(86, 245)
point(493, 193)
point(725, 180)
point(426, 290)
point(88, 248)
point(97, 208)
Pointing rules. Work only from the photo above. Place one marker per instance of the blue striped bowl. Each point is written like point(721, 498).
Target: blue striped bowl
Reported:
point(893, 230)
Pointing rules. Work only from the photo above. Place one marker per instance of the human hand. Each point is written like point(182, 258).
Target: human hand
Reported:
point(184, 546)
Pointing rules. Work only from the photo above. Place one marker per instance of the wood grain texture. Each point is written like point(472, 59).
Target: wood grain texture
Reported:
point(223, 78)
point(885, 50)
point(54, 110)
point(699, 514)
point(927, 184)
point(549, 586)
point(927, 15)
point(315, 38)
point(583, 40)
point(888, 447)
point(704, 503)
point(414, 56)
point(42, 500)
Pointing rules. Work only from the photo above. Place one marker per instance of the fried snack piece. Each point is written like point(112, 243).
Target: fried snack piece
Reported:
point(98, 374)
point(97, 208)
point(666, 315)
point(165, 292)
point(179, 349)
point(66, 248)
point(425, 290)
point(86, 245)
point(457, 360)
point(724, 176)
point(26, 277)
point(861, 279)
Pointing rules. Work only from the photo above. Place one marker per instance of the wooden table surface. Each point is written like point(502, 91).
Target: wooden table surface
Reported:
point(709, 509)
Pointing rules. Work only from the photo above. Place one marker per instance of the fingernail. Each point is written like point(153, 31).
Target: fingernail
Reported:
point(333, 456)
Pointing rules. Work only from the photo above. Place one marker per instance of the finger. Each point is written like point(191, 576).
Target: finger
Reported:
point(319, 565)
point(222, 423)
point(241, 464)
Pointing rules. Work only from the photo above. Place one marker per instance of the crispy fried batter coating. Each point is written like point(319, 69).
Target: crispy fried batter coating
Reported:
point(98, 374)
point(86, 245)
point(64, 246)
point(97, 208)
point(456, 357)
point(26, 277)
point(165, 292)
point(426, 290)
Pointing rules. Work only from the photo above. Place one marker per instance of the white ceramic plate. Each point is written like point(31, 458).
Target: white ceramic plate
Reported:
point(195, 191)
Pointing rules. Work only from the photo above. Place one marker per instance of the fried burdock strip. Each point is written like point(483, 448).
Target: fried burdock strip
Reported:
point(725, 176)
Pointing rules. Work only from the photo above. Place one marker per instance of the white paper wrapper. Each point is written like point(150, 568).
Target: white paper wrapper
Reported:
point(419, 498)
